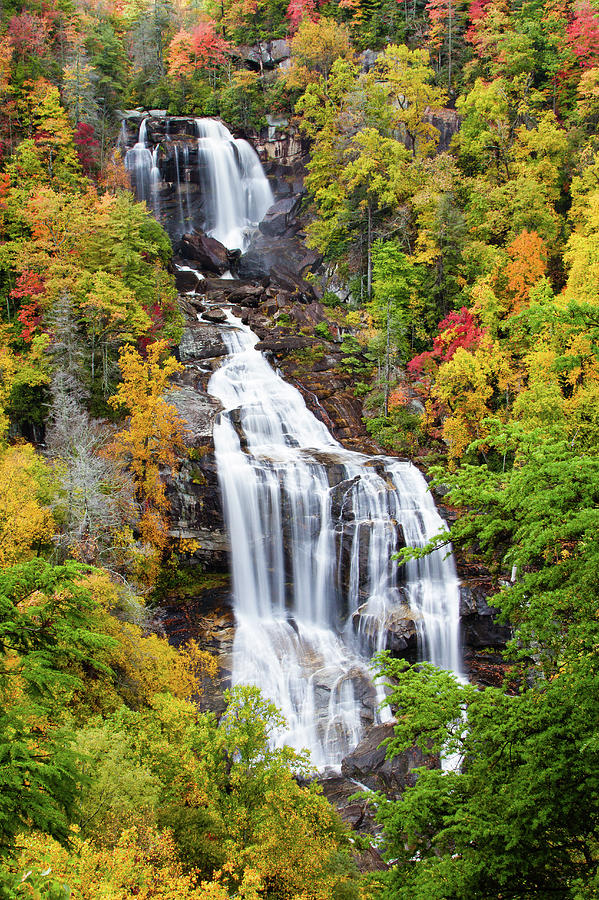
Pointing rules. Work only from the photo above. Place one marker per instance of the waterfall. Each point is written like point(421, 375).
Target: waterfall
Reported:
point(313, 527)
point(236, 191)
point(142, 165)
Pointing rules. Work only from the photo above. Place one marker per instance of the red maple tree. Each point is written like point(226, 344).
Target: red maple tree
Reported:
point(87, 147)
point(458, 329)
point(297, 11)
point(583, 35)
point(201, 48)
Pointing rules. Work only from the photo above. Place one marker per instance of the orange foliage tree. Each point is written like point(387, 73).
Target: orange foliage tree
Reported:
point(153, 437)
point(526, 266)
point(200, 49)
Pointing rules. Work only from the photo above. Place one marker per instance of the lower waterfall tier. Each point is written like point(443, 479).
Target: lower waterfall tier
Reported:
point(313, 529)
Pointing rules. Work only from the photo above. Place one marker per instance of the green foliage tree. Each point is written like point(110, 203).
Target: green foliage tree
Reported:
point(521, 816)
point(46, 634)
point(395, 280)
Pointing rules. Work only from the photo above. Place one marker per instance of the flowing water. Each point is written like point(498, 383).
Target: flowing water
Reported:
point(313, 527)
point(234, 189)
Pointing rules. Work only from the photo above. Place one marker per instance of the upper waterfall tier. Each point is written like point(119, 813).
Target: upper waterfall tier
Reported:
point(313, 528)
point(205, 180)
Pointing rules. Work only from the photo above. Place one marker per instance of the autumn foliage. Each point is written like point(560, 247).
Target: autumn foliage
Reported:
point(457, 330)
point(201, 49)
point(154, 436)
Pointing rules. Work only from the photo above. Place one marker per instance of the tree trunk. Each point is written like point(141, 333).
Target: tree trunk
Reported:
point(387, 355)
point(369, 255)
point(450, 45)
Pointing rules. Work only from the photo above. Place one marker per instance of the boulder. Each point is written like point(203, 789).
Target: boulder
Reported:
point(247, 295)
point(356, 812)
point(310, 262)
point(367, 764)
point(280, 215)
point(207, 251)
point(215, 315)
point(279, 50)
point(186, 280)
point(292, 282)
point(480, 628)
point(201, 342)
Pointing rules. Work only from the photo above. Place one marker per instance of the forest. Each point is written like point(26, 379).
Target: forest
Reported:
point(451, 198)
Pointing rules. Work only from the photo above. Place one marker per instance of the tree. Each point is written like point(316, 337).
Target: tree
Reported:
point(394, 281)
point(407, 76)
point(48, 157)
point(315, 47)
point(152, 438)
point(297, 11)
point(199, 50)
point(458, 329)
point(525, 268)
point(501, 825)
point(79, 90)
point(46, 632)
point(444, 17)
point(583, 35)
point(29, 34)
point(26, 522)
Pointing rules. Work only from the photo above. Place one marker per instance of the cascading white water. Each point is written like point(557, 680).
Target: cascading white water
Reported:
point(142, 164)
point(236, 190)
point(139, 163)
point(313, 527)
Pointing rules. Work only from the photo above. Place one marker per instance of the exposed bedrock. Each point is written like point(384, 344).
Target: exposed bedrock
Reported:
point(367, 763)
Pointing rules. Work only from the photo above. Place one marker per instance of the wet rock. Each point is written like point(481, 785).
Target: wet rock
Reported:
point(310, 262)
point(200, 342)
point(367, 764)
point(356, 812)
point(199, 411)
point(190, 306)
point(205, 616)
point(215, 314)
point(283, 259)
point(342, 500)
point(479, 620)
point(247, 295)
point(487, 667)
point(291, 281)
point(279, 216)
point(285, 343)
point(186, 280)
point(207, 251)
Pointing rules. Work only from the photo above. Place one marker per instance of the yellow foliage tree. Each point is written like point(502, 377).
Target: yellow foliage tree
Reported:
point(139, 665)
point(314, 49)
point(473, 385)
point(155, 434)
point(143, 864)
point(25, 521)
